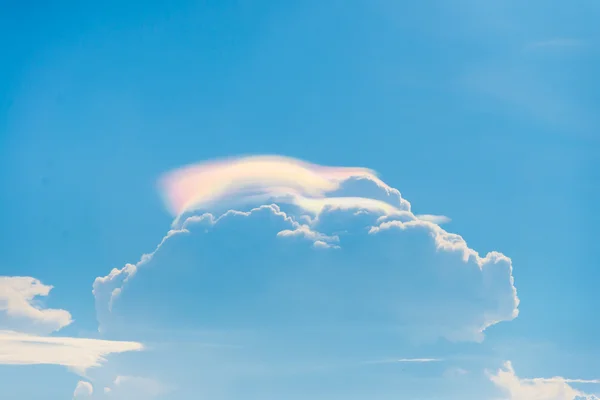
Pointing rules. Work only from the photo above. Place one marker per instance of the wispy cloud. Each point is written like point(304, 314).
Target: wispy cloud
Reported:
point(135, 387)
point(271, 178)
point(436, 219)
point(559, 379)
point(366, 364)
point(405, 360)
point(76, 353)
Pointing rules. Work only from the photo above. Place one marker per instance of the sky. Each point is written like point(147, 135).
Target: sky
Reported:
point(230, 200)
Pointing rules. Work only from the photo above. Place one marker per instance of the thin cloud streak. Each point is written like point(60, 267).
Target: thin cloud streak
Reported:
point(79, 354)
point(558, 379)
point(405, 360)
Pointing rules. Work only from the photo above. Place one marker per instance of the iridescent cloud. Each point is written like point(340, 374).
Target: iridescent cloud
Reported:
point(258, 179)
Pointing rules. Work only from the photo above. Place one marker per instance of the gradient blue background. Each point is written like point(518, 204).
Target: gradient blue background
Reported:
point(486, 112)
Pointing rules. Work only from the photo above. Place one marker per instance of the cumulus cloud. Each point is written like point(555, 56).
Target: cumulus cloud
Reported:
point(20, 310)
point(106, 289)
point(82, 390)
point(243, 181)
point(379, 259)
point(120, 276)
point(75, 353)
point(556, 388)
point(305, 231)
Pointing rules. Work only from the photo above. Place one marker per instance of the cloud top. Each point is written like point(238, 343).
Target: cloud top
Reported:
point(260, 179)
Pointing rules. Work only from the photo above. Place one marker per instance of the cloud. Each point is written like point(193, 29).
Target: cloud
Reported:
point(394, 268)
point(265, 179)
point(319, 244)
point(76, 353)
point(118, 277)
point(556, 388)
point(24, 324)
point(446, 241)
point(240, 181)
point(455, 373)
point(559, 379)
point(282, 264)
point(83, 389)
point(20, 311)
point(405, 360)
point(134, 387)
point(436, 219)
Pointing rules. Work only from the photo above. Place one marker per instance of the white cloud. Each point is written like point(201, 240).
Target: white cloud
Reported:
point(452, 292)
point(556, 388)
point(559, 379)
point(19, 309)
point(405, 360)
point(494, 267)
point(270, 268)
point(106, 289)
point(436, 219)
point(259, 179)
point(455, 372)
point(83, 389)
point(23, 317)
point(118, 277)
point(75, 353)
point(327, 193)
point(319, 244)
point(444, 240)
point(307, 232)
point(134, 387)
point(24, 322)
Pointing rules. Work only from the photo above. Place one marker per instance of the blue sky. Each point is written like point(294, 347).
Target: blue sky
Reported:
point(484, 112)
